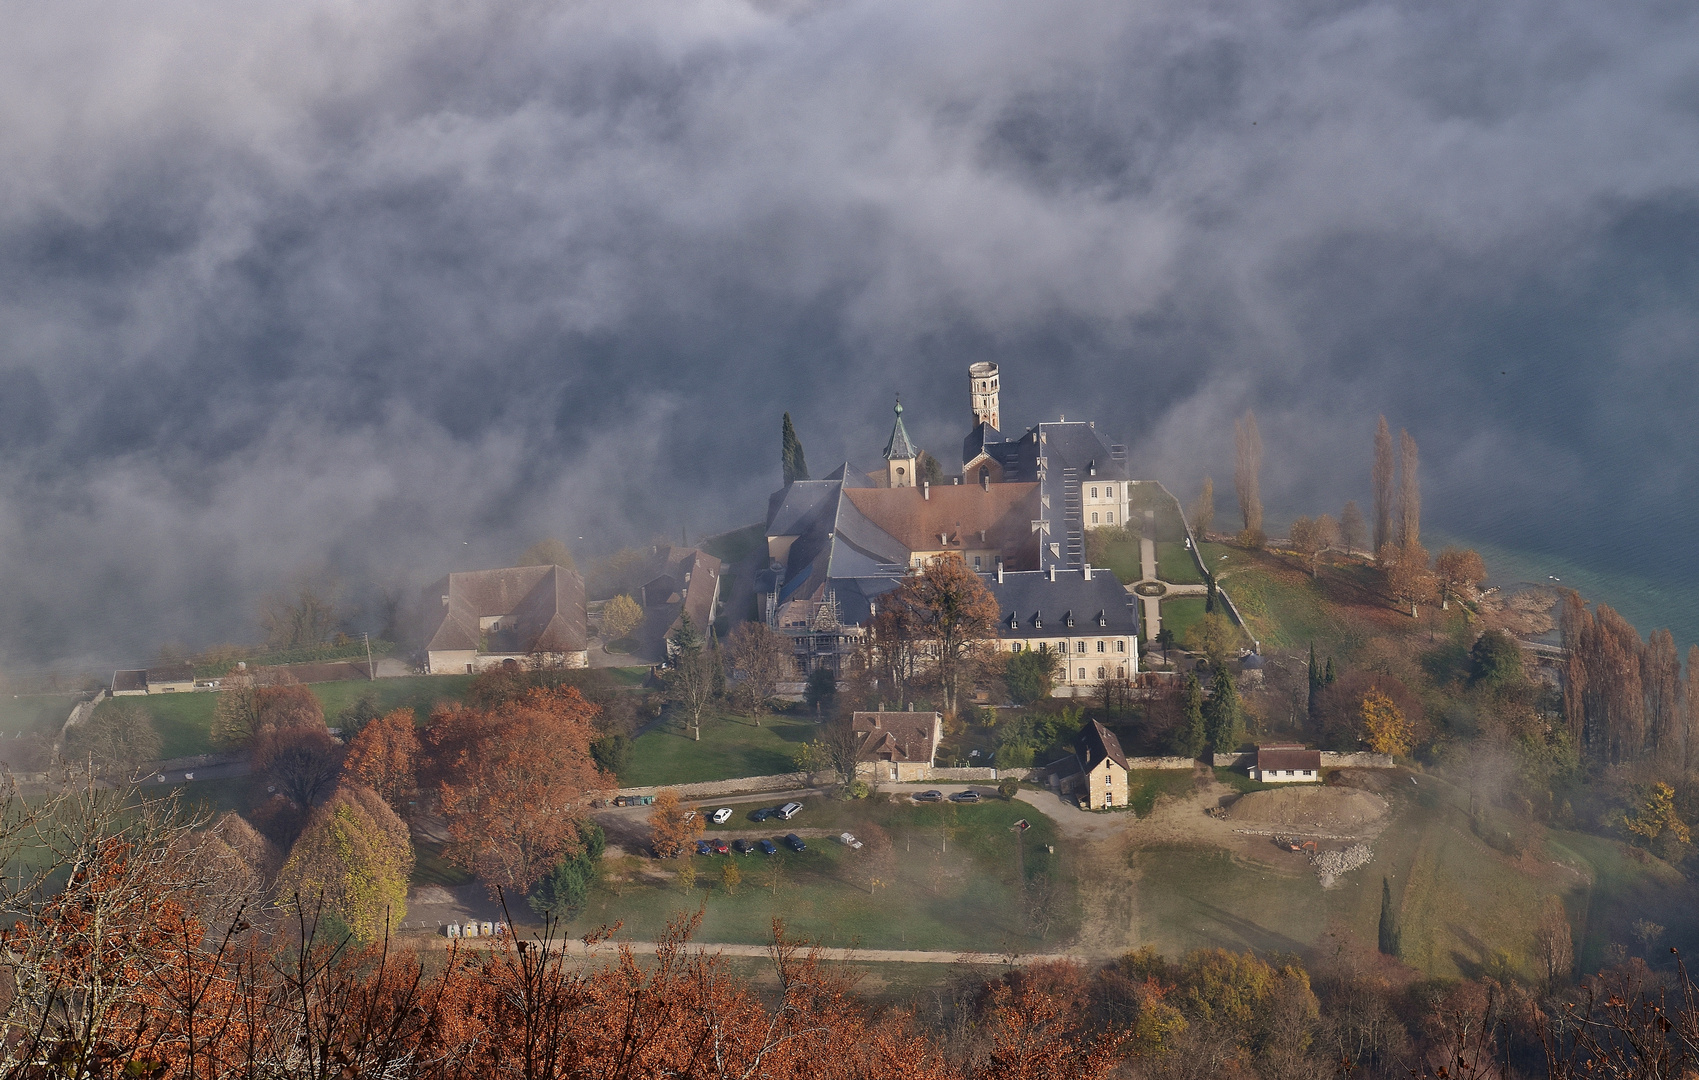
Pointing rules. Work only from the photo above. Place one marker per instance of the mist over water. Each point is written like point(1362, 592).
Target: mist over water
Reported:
point(376, 292)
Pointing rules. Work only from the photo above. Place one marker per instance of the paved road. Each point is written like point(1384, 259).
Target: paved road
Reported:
point(576, 947)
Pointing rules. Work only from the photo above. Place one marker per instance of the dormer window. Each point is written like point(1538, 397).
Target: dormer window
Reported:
point(1102, 620)
point(1014, 621)
point(1037, 621)
point(1068, 619)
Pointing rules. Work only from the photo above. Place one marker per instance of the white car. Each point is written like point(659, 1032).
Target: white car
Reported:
point(850, 841)
point(722, 815)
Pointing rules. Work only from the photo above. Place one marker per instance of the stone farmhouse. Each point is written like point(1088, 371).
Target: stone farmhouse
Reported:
point(678, 582)
point(896, 746)
point(517, 616)
point(1099, 777)
point(1020, 506)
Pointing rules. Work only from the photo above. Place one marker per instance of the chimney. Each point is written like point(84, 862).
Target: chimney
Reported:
point(999, 571)
point(1052, 571)
point(956, 480)
point(926, 490)
point(1087, 570)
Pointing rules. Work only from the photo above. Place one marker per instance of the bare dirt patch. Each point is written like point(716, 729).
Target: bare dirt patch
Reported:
point(1331, 810)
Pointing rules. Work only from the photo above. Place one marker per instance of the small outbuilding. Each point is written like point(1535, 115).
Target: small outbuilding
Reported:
point(129, 683)
point(171, 679)
point(1103, 768)
point(896, 746)
point(1287, 763)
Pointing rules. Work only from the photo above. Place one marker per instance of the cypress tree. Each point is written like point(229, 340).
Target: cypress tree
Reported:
point(795, 465)
point(1224, 715)
point(1190, 735)
point(1388, 920)
point(1316, 684)
point(1329, 675)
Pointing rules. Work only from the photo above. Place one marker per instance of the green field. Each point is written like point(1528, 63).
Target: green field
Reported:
point(1120, 557)
point(34, 712)
point(1175, 565)
point(731, 746)
point(949, 882)
point(1144, 786)
point(184, 721)
point(1180, 613)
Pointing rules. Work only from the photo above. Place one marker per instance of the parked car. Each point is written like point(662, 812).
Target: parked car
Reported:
point(789, 810)
point(794, 842)
point(929, 796)
point(964, 796)
point(768, 847)
point(721, 847)
point(722, 815)
point(850, 841)
point(704, 848)
point(743, 847)
point(763, 814)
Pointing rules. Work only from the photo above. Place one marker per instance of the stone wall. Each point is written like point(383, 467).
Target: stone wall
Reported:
point(1331, 760)
point(1174, 763)
point(788, 781)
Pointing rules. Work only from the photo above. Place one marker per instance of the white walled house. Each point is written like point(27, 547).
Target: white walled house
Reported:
point(1287, 763)
point(1085, 615)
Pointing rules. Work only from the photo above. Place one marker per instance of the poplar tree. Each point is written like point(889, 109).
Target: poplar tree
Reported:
point(796, 467)
point(1382, 476)
point(1409, 494)
point(1247, 465)
point(1203, 510)
point(1388, 921)
point(1190, 735)
point(1351, 527)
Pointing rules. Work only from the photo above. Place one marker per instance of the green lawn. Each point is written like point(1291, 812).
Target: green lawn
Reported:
point(1121, 557)
point(1145, 785)
point(1175, 565)
point(34, 712)
point(629, 676)
point(184, 721)
point(731, 746)
point(1179, 613)
point(950, 881)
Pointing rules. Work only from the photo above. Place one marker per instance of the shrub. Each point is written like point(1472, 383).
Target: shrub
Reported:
point(1007, 787)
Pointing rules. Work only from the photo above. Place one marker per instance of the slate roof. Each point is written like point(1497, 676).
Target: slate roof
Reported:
point(899, 446)
point(896, 736)
point(681, 581)
point(1031, 605)
point(1288, 757)
point(171, 673)
point(130, 681)
point(542, 608)
point(1095, 743)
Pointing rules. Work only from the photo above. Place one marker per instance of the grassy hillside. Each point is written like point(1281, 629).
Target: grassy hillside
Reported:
point(731, 746)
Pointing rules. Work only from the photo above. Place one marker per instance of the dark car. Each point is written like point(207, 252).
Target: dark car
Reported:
point(703, 847)
point(768, 847)
point(721, 847)
point(794, 842)
point(762, 814)
point(964, 796)
point(743, 847)
point(929, 796)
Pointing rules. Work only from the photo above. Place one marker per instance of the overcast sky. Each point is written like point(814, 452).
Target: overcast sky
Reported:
point(395, 287)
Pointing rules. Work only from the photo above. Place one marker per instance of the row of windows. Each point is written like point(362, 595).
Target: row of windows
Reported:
point(1108, 492)
point(1111, 521)
point(1103, 673)
point(1062, 646)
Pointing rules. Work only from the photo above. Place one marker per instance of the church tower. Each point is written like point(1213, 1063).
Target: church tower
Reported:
point(982, 382)
point(900, 454)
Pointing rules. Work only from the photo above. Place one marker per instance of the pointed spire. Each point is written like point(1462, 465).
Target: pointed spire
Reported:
point(899, 448)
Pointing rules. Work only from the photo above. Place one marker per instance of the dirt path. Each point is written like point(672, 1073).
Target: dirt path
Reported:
point(610, 949)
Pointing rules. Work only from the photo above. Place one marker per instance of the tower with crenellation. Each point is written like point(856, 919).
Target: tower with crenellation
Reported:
point(982, 379)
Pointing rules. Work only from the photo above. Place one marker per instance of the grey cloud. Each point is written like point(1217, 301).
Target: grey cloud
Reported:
point(395, 287)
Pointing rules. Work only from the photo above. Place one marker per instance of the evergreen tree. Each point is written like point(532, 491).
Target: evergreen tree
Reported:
point(1329, 675)
point(1388, 920)
point(796, 467)
point(1209, 600)
point(1224, 714)
point(1316, 684)
point(1190, 735)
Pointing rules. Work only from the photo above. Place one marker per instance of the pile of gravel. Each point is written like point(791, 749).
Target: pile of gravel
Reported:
point(1331, 865)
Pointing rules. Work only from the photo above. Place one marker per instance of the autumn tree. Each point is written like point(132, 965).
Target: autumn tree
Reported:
point(955, 616)
point(1211, 637)
point(790, 453)
point(1312, 536)
point(1605, 687)
point(1690, 709)
point(694, 677)
point(1660, 688)
point(1385, 728)
point(385, 758)
point(117, 740)
point(302, 762)
point(1351, 527)
point(514, 783)
point(1247, 465)
point(672, 826)
point(1203, 510)
point(1382, 475)
point(892, 650)
point(355, 856)
point(236, 713)
point(1459, 572)
point(1409, 494)
point(760, 659)
point(1408, 578)
point(620, 616)
point(547, 552)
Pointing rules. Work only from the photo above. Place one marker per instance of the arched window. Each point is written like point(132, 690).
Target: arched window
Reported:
point(1111, 517)
point(1094, 519)
point(1109, 492)
point(1094, 493)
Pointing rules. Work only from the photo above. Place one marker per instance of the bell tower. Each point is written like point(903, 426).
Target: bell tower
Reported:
point(900, 454)
point(982, 387)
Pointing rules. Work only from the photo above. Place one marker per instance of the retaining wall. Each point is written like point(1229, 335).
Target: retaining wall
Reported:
point(1175, 763)
point(785, 781)
point(1329, 760)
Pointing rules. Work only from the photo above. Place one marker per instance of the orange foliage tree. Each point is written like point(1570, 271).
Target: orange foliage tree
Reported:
point(671, 826)
point(385, 757)
point(954, 617)
point(513, 783)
